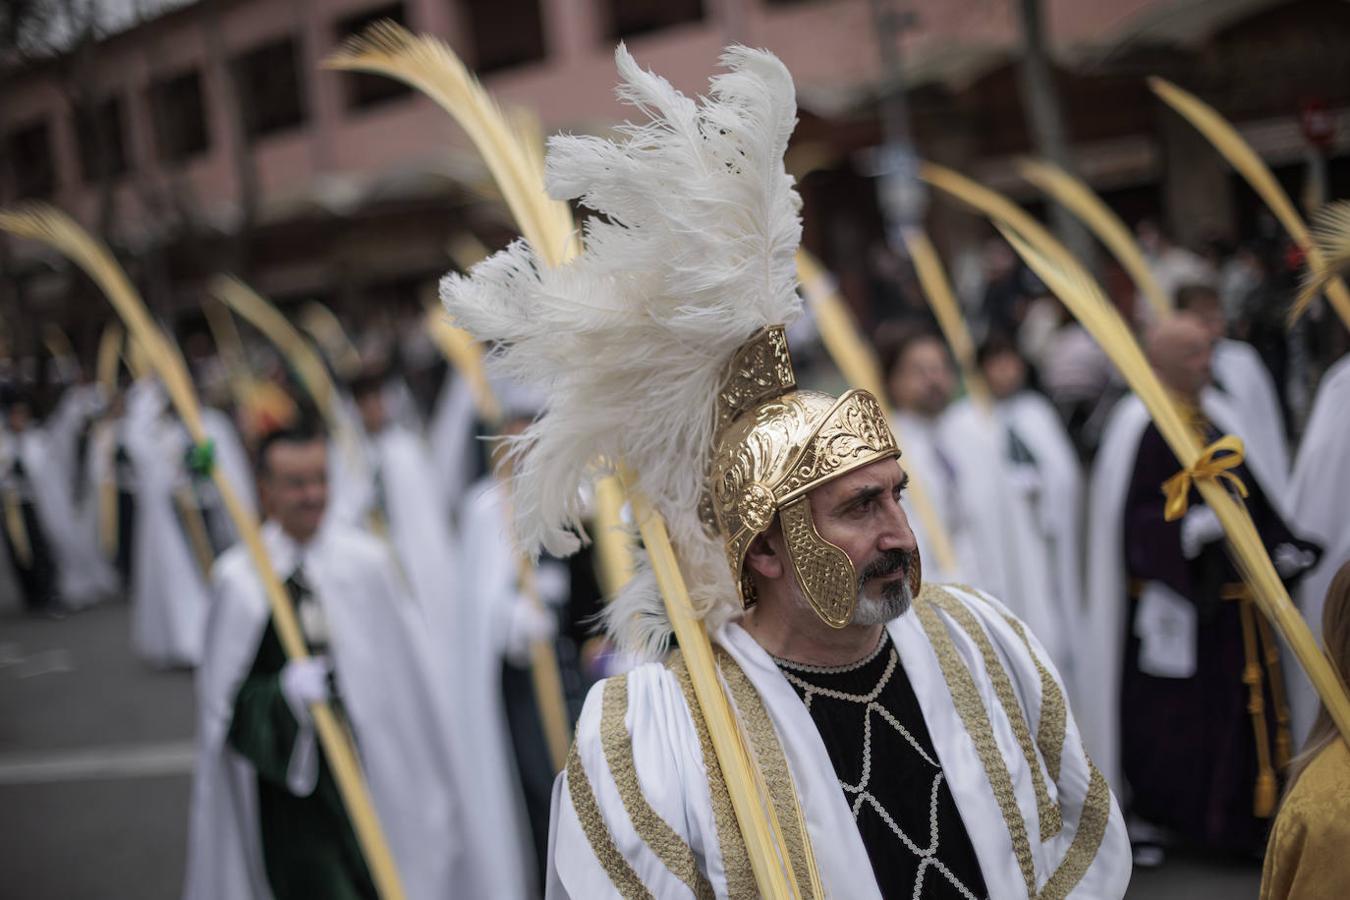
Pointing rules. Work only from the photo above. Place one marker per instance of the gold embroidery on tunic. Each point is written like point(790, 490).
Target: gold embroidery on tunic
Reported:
point(773, 763)
point(1051, 821)
point(620, 873)
point(1096, 812)
point(975, 718)
point(669, 847)
point(1051, 729)
point(735, 858)
point(1053, 724)
point(1087, 839)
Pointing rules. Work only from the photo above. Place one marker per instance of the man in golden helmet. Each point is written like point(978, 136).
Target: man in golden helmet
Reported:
point(902, 739)
point(774, 447)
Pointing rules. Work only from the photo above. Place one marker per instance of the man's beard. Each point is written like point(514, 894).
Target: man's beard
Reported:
point(896, 596)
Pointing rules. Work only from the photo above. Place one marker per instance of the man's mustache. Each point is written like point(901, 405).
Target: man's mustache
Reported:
point(888, 563)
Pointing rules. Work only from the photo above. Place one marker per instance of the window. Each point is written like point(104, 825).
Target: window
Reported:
point(179, 117)
point(629, 18)
point(98, 136)
point(361, 88)
point(32, 169)
point(270, 90)
point(504, 33)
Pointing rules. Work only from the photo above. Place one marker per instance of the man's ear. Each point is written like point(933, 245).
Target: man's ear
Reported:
point(763, 558)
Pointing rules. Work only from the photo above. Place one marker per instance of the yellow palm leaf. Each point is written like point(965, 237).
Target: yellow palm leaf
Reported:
point(465, 355)
point(109, 355)
point(1331, 236)
point(1226, 139)
point(319, 323)
point(942, 300)
point(1078, 198)
point(304, 359)
point(426, 63)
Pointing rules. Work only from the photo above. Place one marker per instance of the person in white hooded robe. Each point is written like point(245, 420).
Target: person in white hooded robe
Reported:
point(957, 451)
point(1044, 466)
point(1319, 498)
point(64, 555)
point(506, 623)
point(405, 513)
point(267, 820)
point(179, 525)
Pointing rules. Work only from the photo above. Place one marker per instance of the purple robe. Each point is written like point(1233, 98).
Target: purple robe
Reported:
point(1188, 749)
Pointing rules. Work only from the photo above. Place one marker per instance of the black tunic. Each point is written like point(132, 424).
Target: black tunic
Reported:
point(892, 782)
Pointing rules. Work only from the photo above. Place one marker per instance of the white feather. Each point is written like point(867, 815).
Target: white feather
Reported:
point(692, 253)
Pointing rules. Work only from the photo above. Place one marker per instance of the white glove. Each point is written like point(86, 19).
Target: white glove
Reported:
point(528, 624)
point(1290, 560)
point(1199, 527)
point(305, 681)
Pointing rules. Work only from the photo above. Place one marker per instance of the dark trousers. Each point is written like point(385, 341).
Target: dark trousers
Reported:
point(37, 576)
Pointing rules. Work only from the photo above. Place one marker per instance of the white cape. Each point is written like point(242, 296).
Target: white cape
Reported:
point(384, 678)
point(671, 774)
point(1059, 504)
point(488, 592)
point(992, 528)
point(452, 591)
point(452, 436)
point(1319, 504)
point(77, 406)
point(83, 576)
point(1250, 389)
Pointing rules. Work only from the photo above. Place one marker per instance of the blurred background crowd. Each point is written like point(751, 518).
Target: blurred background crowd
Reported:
point(199, 137)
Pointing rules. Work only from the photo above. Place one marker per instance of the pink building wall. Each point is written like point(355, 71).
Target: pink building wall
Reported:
point(830, 46)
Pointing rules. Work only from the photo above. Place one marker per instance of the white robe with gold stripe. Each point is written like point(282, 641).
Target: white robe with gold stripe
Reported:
point(640, 812)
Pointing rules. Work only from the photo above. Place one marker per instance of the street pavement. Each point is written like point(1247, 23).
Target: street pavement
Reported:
point(95, 762)
point(95, 765)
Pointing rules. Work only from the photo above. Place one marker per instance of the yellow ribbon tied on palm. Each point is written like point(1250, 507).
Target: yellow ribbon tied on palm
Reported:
point(1207, 465)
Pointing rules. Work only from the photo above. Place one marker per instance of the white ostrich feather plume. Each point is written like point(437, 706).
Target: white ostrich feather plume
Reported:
point(693, 251)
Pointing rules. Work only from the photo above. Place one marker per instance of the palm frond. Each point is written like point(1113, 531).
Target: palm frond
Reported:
point(1075, 196)
point(942, 300)
point(109, 356)
point(253, 308)
point(1331, 236)
point(319, 322)
point(1226, 139)
point(429, 65)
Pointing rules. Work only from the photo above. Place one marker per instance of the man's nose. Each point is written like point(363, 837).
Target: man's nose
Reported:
point(896, 533)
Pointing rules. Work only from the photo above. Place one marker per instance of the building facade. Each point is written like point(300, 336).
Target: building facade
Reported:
point(211, 136)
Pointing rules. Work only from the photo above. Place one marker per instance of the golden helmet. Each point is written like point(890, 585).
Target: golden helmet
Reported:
point(772, 445)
